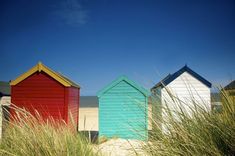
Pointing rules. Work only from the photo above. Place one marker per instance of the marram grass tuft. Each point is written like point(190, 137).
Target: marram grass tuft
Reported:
point(202, 133)
point(31, 135)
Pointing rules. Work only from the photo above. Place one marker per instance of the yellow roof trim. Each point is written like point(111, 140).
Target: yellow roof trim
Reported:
point(40, 67)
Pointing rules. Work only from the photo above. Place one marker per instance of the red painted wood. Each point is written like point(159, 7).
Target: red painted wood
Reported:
point(73, 106)
point(66, 103)
point(42, 93)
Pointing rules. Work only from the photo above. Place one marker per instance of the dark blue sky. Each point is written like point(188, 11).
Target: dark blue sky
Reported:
point(94, 41)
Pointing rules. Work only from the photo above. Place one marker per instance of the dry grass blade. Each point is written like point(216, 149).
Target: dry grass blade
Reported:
point(32, 135)
point(202, 133)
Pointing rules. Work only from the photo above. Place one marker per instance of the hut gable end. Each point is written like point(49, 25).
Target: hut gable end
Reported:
point(48, 93)
point(42, 68)
point(123, 110)
point(124, 84)
point(172, 77)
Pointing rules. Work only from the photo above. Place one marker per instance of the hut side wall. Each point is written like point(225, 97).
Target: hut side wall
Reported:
point(88, 119)
point(73, 106)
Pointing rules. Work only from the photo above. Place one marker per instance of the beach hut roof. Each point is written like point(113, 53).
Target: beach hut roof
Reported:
point(41, 67)
point(123, 78)
point(5, 89)
point(230, 86)
point(171, 77)
point(89, 101)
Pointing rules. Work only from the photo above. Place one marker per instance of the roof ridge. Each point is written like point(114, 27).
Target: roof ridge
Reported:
point(170, 77)
point(67, 79)
point(41, 67)
point(119, 79)
point(231, 85)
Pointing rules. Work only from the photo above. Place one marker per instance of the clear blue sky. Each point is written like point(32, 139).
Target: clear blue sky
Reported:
point(94, 41)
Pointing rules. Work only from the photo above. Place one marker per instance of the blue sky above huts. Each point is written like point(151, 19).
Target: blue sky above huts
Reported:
point(93, 42)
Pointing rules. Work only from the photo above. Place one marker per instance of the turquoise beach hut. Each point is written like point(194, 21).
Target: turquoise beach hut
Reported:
point(123, 110)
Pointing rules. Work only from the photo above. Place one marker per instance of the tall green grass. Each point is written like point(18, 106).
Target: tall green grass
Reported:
point(202, 133)
point(31, 135)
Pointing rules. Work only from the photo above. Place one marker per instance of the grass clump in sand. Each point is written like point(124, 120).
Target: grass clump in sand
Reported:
point(202, 133)
point(31, 135)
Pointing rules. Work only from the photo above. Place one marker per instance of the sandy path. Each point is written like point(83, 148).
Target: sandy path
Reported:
point(121, 147)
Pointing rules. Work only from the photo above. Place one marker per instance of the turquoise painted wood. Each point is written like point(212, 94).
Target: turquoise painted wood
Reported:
point(123, 109)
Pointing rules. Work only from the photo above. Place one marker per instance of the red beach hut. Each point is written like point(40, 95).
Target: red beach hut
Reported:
point(48, 92)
